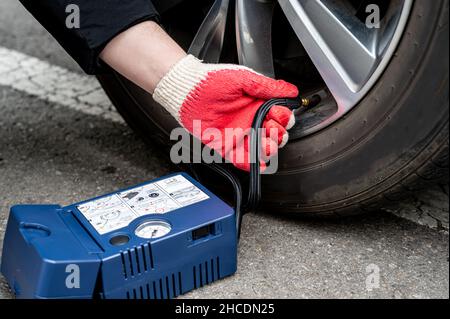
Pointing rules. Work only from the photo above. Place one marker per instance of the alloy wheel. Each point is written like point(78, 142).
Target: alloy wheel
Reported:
point(349, 54)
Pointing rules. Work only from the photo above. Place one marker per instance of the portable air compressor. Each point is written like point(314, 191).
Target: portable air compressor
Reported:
point(156, 240)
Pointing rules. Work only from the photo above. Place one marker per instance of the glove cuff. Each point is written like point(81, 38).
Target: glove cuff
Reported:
point(175, 87)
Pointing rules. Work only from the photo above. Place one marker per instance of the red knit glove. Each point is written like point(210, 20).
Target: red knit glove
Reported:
point(225, 96)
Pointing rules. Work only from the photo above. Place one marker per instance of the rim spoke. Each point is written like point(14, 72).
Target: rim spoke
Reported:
point(254, 34)
point(208, 42)
point(341, 47)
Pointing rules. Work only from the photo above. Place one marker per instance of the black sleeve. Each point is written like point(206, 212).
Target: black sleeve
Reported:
point(100, 21)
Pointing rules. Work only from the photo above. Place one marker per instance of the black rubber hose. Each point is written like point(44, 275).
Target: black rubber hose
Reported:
point(254, 189)
point(254, 192)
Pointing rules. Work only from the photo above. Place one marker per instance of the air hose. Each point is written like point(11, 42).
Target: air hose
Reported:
point(254, 189)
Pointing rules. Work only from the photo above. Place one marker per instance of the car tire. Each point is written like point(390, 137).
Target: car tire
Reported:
point(390, 146)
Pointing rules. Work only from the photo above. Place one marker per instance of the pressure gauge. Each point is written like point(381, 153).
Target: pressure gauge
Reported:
point(153, 229)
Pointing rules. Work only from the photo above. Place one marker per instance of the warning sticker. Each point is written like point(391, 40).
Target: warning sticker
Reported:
point(117, 211)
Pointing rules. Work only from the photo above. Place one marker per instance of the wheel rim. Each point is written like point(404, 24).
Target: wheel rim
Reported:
point(349, 56)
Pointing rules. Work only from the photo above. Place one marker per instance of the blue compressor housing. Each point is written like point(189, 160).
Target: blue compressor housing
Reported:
point(156, 240)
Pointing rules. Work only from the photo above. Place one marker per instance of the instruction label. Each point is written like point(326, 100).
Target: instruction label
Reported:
point(113, 212)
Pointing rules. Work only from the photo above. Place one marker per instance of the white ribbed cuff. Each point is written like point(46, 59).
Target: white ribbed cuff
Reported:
point(184, 76)
point(175, 86)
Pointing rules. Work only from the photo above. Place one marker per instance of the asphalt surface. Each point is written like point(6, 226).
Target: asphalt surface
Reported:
point(54, 152)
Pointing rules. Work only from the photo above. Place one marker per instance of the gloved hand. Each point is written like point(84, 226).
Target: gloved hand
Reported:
point(226, 96)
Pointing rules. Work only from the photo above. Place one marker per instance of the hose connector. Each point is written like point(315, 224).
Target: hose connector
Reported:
point(312, 101)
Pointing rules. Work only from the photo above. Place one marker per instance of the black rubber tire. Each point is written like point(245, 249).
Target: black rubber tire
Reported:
point(394, 143)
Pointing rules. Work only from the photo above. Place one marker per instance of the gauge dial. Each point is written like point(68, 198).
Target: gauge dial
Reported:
point(153, 229)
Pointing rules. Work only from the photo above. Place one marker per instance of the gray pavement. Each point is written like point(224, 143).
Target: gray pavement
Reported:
point(51, 153)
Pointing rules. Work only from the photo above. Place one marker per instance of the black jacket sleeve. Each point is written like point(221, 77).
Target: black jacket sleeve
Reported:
point(100, 21)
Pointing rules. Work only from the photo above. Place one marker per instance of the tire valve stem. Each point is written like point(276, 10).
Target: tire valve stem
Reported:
point(311, 102)
point(305, 102)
